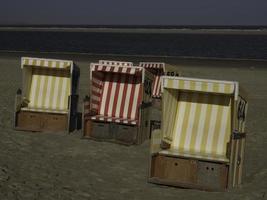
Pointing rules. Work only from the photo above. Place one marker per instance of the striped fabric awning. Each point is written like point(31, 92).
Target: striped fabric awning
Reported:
point(115, 69)
point(48, 63)
point(156, 87)
point(201, 85)
point(113, 62)
point(155, 65)
point(116, 97)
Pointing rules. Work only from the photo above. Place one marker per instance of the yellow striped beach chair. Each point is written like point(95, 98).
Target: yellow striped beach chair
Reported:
point(201, 140)
point(48, 100)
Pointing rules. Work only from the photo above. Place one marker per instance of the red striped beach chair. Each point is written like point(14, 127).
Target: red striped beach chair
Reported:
point(157, 69)
point(48, 100)
point(118, 109)
point(201, 140)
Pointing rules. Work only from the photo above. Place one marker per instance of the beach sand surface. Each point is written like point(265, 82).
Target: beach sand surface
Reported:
point(64, 166)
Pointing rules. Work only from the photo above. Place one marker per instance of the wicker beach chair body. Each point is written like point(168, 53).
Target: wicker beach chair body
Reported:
point(118, 109)
point(48, 100)
point(201, 140)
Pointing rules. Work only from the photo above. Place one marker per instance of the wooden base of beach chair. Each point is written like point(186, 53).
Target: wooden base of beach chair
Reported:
point(119, 133)
point(114, 132)
point(126, 134)
point(87, 128)
point(188, 173)
point(38, 121)
point(111, 132)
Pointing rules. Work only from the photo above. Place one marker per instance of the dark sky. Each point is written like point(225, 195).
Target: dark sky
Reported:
point(134, 12)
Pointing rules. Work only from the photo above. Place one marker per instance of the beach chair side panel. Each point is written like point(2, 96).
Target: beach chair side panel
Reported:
point(145, 109)
point(91, 106)
point(238, 142)
point(74, 117)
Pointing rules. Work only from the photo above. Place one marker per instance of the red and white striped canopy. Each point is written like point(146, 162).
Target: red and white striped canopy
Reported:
point(156, 87)
point(115, 69)
point(114, 62)
point(116, 97)
point(155, 65)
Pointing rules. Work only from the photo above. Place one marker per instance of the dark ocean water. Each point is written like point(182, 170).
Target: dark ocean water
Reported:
point(242, 46)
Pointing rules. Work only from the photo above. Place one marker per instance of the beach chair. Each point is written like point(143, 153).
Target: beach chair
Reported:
point(48, 99)
point(118, 107)
point(158, 70)
point(201, 140)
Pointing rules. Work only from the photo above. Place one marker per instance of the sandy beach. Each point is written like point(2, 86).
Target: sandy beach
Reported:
point(64, 166)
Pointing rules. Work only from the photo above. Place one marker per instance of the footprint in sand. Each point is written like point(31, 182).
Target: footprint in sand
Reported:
point(3, 175)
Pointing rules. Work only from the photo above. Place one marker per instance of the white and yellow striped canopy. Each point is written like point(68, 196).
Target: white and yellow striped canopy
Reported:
point(201, 85)
point(49, 84)
point(47, 63)
point(197, 116)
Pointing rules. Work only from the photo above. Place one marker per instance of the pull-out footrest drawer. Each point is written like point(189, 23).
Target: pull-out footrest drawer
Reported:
point(188, 173)
point(125, 134)
point(101, 130)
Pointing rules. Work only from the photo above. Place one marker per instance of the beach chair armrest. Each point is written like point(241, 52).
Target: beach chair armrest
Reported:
point(18, 100)
point(238, 135)
point(164, 144)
